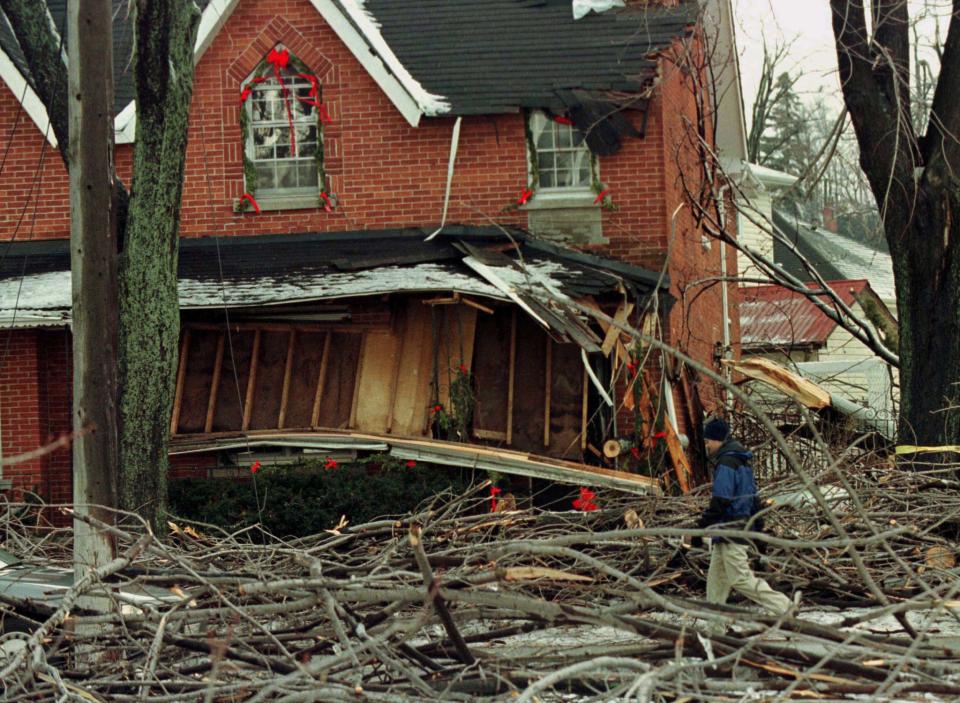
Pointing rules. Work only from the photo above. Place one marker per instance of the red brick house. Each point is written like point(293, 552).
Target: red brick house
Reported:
point(327, 140)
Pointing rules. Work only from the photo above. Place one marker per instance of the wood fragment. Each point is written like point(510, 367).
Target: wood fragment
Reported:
point(251, 381)
point(181, 377)
point(214, 383)
point(321, 381)
point(287, 371)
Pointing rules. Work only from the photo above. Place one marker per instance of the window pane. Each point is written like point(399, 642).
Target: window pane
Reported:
point(564, 178)
point(584, 174)
point(306, 149)
point(307, 174)
point(546, 139)
point(286, 175)
point(547, 179)
point(564, 159)
point(263, 152)
point(546, 161)
point(265, 178)
point(283, 142)
point(564, 139)
point(261, 111)
point(264, 136)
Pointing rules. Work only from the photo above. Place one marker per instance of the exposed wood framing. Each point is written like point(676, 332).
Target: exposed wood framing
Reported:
point(583, 410)
point(251, 382)
point(478, 306)
point(287, 370)
point(613, 331)
point(490, 434)
point(547, 391)
point(321, 380)
point(214, 384)
point(511, 373)
point(181, 377)
point(395, 377)
point(356, 383)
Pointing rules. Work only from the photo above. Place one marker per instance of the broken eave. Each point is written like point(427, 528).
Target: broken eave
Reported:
point(466, 456)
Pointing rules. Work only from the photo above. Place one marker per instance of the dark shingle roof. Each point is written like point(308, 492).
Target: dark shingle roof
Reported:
point(490, 56)
point(122, 47)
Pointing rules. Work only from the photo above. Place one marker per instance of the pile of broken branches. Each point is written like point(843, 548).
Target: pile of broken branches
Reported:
point(457, 603)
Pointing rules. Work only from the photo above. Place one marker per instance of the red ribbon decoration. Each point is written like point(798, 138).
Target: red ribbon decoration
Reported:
point(411, 464)
point(280, 60)
point(635, 452)
point(331, 463)
point(659, 435)
point(253, 203)
point(313, 97)
point(601, 196)
point(494, 492)
point(327, 205)
point(324, 115)
point(585, 502)
point(248, 88)
point(255, 467)
point(525, 195)
point(560, 119)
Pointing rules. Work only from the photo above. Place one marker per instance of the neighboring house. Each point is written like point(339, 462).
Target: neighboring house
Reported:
point(788, 328)
point(347, 329)
point(834, 256)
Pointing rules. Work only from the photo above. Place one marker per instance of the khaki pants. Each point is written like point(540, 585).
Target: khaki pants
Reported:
point(730, 569)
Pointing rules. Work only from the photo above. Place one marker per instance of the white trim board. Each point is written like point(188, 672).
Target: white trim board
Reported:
point(26, 96)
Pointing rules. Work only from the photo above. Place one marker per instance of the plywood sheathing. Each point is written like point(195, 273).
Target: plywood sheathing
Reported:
point(233, 381)
point(493, 346)
point(376, 380)
point(412, 397)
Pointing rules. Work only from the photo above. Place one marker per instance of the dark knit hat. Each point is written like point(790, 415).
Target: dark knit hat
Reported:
point(716, 429)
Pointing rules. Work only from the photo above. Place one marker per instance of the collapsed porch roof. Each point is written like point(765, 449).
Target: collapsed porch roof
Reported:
point(272, 270)
point(434, 451)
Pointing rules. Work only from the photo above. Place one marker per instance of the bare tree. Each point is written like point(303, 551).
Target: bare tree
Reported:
point(913, 178)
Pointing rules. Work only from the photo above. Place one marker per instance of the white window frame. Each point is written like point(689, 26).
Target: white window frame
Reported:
point(280, 121)
point(582, 193)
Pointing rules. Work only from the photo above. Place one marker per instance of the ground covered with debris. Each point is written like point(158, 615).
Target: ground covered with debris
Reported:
point(458, 603)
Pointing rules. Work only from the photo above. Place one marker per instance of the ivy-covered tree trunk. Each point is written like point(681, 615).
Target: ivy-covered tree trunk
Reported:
point(915, 180)
point(164, 32)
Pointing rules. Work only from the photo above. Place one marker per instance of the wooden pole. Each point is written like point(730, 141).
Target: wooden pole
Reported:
point(287, 371)
point(321, 381)
point(181, 379)
point(214, 384)
point(93, 250)
point(251, 382)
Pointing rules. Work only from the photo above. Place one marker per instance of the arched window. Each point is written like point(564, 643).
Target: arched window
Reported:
point(282, 129)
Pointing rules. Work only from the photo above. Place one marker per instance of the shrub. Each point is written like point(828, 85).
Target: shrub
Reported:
point(306, 498)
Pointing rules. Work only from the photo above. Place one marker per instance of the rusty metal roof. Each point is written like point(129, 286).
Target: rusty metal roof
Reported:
point(775, 317)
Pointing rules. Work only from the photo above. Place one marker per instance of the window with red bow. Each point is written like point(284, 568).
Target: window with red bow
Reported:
point(283, 117)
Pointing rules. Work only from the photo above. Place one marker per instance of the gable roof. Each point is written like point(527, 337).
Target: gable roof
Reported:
point(774, 317)
point(494, 56)
point(833, 255)
point(440, 57)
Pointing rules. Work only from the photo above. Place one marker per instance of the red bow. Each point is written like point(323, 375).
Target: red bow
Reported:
point(253, 203)
point(585, 501)
point(601, 196)
point(635, 452)
point(278, 59)
point(411, 464)
point(331, 463)
point(464, 370)
point(659, 435)
point(436, 409)
point(255, 467)
point(560, 119)
point(525, 195)
point(327, 205)
point(494, 492)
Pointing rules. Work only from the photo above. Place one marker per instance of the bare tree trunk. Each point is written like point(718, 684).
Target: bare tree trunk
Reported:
point(914, 181)
point(165, 32)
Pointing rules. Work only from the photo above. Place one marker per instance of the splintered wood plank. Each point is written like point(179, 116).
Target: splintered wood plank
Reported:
point(181, 376)
point(338, 393)
point(530, 385)
point(269, 388)
point(567, 386)
point(491, 374)
point(456, 342)
point(251, 381)
point(303, 378)
point(287, 371)
point(214, 384)
point(412, 397)
point(512, 373)
point(201, 357)
point(228, 416)
point(321, 380)
point(399, 331)
point(377, 365)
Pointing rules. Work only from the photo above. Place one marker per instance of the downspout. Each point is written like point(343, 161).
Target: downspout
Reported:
point(454, 143)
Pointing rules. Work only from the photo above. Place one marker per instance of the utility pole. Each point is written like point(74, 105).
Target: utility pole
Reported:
point(93, 256)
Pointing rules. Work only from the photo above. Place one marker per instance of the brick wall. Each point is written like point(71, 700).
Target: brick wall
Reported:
point(20, 408)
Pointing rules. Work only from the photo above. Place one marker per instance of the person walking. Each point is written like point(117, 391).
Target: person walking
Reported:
point(733, 503)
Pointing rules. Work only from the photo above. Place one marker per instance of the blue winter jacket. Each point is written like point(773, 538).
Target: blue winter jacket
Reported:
point(735, 497)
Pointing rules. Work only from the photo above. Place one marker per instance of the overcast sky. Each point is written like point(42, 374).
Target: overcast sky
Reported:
point(805, 25)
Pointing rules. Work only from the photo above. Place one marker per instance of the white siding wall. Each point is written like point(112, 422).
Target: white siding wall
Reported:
point(751, 235)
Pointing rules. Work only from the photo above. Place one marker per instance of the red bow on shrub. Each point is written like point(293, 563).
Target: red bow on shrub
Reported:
point(600, 196)
point(331, 463)
point(327, 204)
point(253, 203)
point(525, 195)
point(585, 502)
point(494, 492)
point(255, 467)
